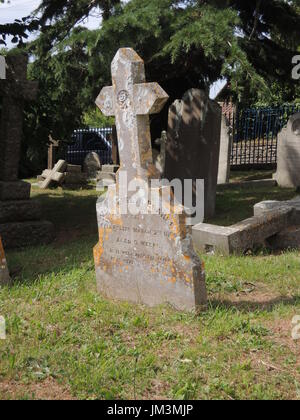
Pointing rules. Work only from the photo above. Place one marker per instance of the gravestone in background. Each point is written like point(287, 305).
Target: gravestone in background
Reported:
point(19, 216)
point(160, 157)
point(225, 152)
point(52, 152)
point(143, 258)
point(193, 144)
point(288, 154)
point(92, 165)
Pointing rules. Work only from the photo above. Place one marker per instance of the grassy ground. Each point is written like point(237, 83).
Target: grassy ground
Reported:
point(65, 341)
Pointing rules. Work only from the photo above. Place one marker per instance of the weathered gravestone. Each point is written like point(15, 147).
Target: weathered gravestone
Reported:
point(4, 274)
point(64, 175)
point(225, 152)
point(92, 164)
point(52, 149)
point(143, 258)
point(19, 217)
point(288, 155)
point(194, 143)
point(160, 157)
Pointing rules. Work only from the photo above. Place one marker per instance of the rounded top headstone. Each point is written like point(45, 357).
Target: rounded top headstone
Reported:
point(92, 164)
point(294, 124)
point(296, 127)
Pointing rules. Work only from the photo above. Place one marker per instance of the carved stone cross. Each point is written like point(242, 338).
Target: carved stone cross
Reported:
point(131, 100)
point(14, 91)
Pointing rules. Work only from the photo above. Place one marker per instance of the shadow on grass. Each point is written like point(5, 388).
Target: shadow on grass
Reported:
point(247, 306)
point(72, 213)
point(30, 264)
point(233, 206)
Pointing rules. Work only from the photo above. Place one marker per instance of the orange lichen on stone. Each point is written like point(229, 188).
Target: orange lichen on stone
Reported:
point(98, 251)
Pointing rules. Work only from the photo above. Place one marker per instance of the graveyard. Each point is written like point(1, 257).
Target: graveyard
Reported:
point(68, 342)
point(149, 203)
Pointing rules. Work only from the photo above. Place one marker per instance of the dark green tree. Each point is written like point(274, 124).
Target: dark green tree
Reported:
point(185, 43)
point(191, 42)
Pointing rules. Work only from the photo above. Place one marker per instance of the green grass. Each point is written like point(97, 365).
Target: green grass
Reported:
point(64, 339)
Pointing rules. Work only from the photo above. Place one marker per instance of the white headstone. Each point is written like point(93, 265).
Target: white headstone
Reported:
point(288, 154)
point(2, 67)
point(225, 150)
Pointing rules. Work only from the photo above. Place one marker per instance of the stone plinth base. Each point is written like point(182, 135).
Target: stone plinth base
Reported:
point(17, 235)
point(19, 211)
point(17, 190)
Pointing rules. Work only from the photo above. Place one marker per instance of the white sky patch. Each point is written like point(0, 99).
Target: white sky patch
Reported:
point(216, 88)
point(17, 9)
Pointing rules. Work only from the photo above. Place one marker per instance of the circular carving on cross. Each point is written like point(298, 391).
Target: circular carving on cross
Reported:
point(296, 127)
point(122, 98)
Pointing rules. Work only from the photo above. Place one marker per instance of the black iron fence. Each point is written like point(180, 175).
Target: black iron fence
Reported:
point(255, 135)
point(254, 131)
point(85, 141)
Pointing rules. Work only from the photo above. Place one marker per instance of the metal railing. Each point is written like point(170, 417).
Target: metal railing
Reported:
point(255, 135)
point(89, 140)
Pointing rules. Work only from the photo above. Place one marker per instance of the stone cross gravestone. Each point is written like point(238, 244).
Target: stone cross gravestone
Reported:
point(19, 224)
point(142, 258)
point(56, 174)
point(194, 143)
point(4, 274)
point(52, 149)
point(288, 154)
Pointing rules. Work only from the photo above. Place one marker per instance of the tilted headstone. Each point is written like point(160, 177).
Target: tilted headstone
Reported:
point(194, 143)
point(143, 258)
point(4, 274)
point(23, 227)
point(64, 175)
point(225, 152)
point(288, 154)
point(55, 175)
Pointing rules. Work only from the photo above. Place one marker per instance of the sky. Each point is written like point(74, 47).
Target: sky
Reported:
point(17, 9)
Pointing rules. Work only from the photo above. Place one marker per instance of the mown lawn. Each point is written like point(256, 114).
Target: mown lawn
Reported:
point(66, 341)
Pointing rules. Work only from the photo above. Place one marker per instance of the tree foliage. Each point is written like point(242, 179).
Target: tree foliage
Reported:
point(185, 43)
